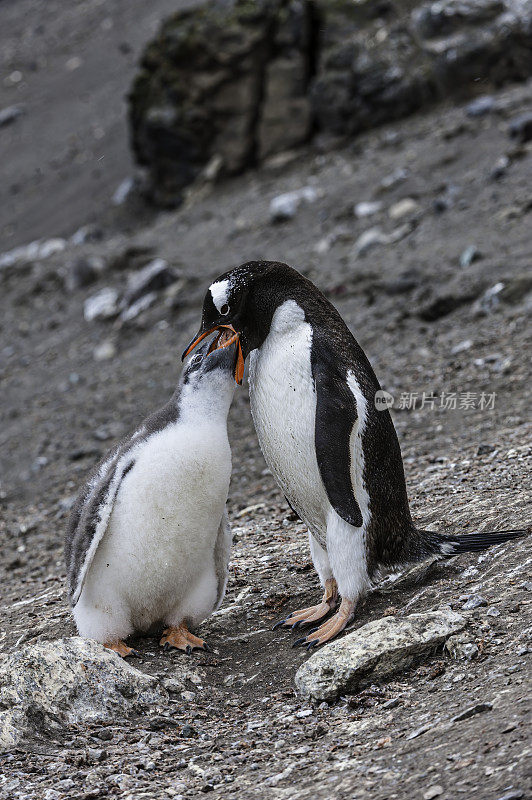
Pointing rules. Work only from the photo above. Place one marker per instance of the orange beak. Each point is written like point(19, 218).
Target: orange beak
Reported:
point(222, 340)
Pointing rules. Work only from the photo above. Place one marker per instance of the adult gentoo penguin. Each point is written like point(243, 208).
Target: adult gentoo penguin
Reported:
point(148, 540)
point(334, 455)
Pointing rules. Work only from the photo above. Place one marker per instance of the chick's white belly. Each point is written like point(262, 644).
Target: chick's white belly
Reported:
point(159, 545)
point(283, 405)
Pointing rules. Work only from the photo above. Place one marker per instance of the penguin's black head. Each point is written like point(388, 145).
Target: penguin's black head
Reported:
point(243, 301)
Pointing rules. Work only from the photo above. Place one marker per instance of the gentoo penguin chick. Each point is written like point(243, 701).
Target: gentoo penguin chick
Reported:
point(148, 540)
point(334, 455)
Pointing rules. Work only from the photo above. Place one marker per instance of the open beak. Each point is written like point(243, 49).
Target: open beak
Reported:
point(226, 336)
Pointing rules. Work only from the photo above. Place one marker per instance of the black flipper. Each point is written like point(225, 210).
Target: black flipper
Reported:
point(336, 413)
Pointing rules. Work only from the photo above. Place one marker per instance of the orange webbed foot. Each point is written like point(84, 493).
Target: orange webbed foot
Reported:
point(121, 648)
point(331, 628)
point(305, 616)
point(180, 638)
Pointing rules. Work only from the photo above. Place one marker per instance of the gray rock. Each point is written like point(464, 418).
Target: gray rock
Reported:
point(136, 308)
point(374, 70)
point(461, 347)
point(374, 237)
point(489, 301)
point(245, 81)
point(154, 276)
point(105, 351)
point(122, 192)
point(419, 731)
point(227, 79)
point(102, 305)
point(441, 19)
point(500, 168)
point(405, 207)
point(480, 106)
point(478, 708)
point(87, 233)
point(284, 206)
point(520, 128)
point(367, 209)
point(433, 791)
point(10, 114)
point(469, 255)
point(474, 601)
point(40, 249)
point(49, 685)
point(368, 240)
point(373, 652)
point(461, 648)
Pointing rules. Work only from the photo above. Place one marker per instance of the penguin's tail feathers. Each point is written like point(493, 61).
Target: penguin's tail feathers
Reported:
point(451, 545)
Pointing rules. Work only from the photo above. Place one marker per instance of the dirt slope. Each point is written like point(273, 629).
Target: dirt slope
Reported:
point(466, 469)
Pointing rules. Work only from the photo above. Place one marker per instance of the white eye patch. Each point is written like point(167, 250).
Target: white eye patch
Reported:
point(220, 293)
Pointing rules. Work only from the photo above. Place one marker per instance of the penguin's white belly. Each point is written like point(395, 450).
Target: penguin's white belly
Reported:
point(158, 549)
point(283, 405)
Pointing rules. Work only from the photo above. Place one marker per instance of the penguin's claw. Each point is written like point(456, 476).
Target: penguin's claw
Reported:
point(180, 638)
point(122, 648)
point(329, 629)
point(304, 616)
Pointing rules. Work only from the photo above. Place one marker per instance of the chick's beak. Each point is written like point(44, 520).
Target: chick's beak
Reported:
point(225, 337)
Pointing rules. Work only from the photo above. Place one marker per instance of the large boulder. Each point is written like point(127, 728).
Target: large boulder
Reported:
point(226, 85)
point(383, 61)
point(227, 80)
point(374, 652)
point(49, 685)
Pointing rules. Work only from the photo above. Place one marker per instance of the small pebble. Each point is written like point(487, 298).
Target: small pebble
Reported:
point(284, 206)
point(478, 708)
point(474, 601)
point(520, 128)
point(433, 791)
point(499, 168)
point(393, 703)
point(480, 106)
point(469, 255)
point(367, 209)
point(402, 208)
point(104, 351)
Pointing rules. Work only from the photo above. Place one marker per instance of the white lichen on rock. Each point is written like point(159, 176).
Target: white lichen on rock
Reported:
point(374, 651)
point(51, 684)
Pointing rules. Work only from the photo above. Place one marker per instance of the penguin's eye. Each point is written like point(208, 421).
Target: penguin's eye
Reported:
point(196, 360)
point(224, 310)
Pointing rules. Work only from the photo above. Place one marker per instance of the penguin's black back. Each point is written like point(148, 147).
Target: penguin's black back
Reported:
point(390, 536)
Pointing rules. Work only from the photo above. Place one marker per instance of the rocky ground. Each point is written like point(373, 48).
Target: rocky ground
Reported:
point(435, 283)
